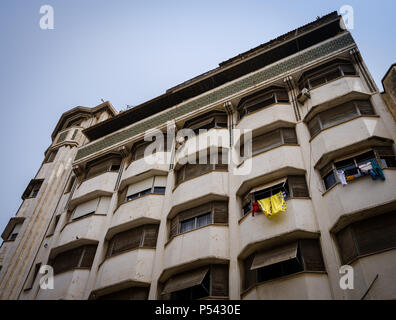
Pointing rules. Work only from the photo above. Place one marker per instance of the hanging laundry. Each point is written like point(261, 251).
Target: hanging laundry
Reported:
point(273, 205)
point(278, 203)
point(365, 168)
point(341, 177)
point(350, 178)
point(255, 208)
point(265, 206)
point(377, 171)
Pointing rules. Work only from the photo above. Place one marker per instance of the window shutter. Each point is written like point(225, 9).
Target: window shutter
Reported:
point(140, 186)
point(311, 255)
point(126, 240)
point(365, 107)
point(134, 293)
point(150, 236)
point(86, 208)
point(174, 226)
point(219, 280)
point(298, 186)
point(89, 255)
point(346, 244)
point(282, 96)
point(338, 114)
point(314, 126)
point(250, 275)
point(326, 169)
point(67, 260)
point(266, 141)
point(289, 136)
point(220, 212)
point(122, 196)
point(99, 168)
point(384, 151)
point(376, 234)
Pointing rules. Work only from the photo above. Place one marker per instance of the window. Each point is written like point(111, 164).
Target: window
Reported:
point(94, 206)
point(191, 171)
point(75, 123)
point(33, 276)
point(134, 293)
point(340, 114)
point(300, 256)
point(81, 257)
point(152, 185)
point(140, 237)
point(204, 282)
point(14, 233)
point(139, 148)
point(326, 73)
point(54, 223)
point(270, 140)
point(32, 189)
point(367, 237)
point(384, 156)
point(70, 184)
point(262, 99)
point(110, 163)
point(292, 186)
point(215, 212)
point(51, 156)
point(210, 120)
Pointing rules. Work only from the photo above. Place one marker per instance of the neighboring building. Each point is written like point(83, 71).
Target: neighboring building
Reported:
point(114, 225)
point(389, 94)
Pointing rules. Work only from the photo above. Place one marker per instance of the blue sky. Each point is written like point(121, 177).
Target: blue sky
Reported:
point(131, 51)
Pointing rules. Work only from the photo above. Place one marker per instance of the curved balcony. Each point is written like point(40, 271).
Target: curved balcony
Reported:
point(131, 266)
point(213, 138)
point(88, 228)
point(359, 195)
point(148, 208)
point(157, 163)
point(101, 185)
point(68, 285)
point(305, 286)
point(300, 216)
point(269, 161)
point(335, 90)
point(213, 183)
point(208, 242)
point(347, 134)
point(264, 117)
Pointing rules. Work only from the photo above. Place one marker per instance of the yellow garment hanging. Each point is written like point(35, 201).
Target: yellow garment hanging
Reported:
point(265, 206)
point(273, 205)
point(278, 203)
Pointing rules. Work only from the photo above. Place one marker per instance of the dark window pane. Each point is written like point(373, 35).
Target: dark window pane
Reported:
point(329, 180)
point(204, 220)
point(160, 190)
point(187, 225)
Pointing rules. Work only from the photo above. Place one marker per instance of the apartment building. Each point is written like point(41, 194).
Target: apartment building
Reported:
point(115, 222)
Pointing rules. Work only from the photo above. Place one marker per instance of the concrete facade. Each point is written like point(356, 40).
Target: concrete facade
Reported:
point(137, 192)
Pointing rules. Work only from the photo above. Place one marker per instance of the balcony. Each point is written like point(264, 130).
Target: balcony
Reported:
point(148, 207)
point(268, 162)
point(157, 163)
point(335, 90)
point(213, 138)
point(68, 285)
point(101, 185)
point(87, 228)
point(207, 242)
point(347, 134)
point(264, 117)
point(215, 183)
point(69, 136)
point(359, 195)
point(300, 216)
point(304, 286)
point(131, 266)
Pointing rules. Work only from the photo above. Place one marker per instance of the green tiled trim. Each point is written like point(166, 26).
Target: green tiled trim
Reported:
point(219, 94)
